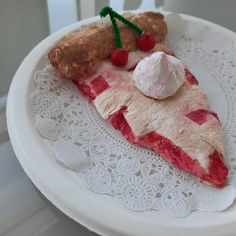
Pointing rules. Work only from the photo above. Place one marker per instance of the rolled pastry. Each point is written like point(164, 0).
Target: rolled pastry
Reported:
point(77, 53)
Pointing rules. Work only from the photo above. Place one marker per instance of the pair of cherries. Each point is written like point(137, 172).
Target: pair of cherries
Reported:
point(145, 40)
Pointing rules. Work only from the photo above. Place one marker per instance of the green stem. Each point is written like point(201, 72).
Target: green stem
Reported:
point(128, 23)
point(116, 31)
point(104, 12)
point(108, 10)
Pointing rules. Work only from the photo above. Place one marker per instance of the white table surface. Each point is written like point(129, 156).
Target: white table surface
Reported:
point(23, 210)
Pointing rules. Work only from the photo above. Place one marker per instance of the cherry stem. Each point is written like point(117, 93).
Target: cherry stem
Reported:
point(116, 31)
point(108, 10)
point(105, 11)
point(128, 23)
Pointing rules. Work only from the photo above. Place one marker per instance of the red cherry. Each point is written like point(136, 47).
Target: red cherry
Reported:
point(119, 57)
point(146, 41)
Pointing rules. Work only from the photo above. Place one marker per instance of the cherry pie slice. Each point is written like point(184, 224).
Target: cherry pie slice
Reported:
point(182, 128)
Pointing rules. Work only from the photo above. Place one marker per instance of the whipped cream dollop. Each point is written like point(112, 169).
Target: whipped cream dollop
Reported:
point(159, 75)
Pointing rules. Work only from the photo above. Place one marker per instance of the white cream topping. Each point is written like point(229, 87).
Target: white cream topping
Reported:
point(159, 75)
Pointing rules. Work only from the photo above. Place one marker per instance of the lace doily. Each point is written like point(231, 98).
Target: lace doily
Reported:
point(137, 178)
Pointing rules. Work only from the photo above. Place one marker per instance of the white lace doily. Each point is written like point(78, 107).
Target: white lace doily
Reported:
point(137, 178)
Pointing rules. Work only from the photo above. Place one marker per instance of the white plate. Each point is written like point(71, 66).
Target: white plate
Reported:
point(99, 213)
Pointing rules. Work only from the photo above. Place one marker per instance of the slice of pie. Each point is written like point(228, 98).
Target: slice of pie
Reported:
point(181, 128)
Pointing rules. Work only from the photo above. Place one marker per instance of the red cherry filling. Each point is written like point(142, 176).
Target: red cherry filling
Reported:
point(98, 85)
point(85, 90)
point(132, 67)
point(145, 41)
point(119, 57)
point(190, 77)
point(92, 90)
point(200, 116)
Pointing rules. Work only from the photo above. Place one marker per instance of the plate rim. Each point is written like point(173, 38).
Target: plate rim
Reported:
point(107, 226)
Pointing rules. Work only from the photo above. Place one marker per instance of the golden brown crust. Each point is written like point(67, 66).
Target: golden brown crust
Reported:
point(76, 53)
